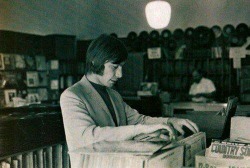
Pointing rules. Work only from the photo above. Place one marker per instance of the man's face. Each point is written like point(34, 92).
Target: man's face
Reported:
point(196, 77)
point(111, 73)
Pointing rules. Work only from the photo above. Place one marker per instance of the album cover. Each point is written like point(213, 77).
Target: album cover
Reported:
point(54, 64)
point(43, 94)
point(42, 79)
point(8, 79)
point(54, 84)
point(20, 61)
point(32, 79)
point(30, 62)
point(9, 94)
point(1, 62)
point(33, 98)
point(40, 62)
point(9, 62)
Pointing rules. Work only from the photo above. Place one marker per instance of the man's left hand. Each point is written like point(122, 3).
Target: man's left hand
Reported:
point(178, 123)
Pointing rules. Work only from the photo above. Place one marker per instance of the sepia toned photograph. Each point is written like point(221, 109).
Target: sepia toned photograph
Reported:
point(125, 83)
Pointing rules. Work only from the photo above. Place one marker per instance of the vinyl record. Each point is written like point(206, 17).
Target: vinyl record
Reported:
point(166, 34)
point(133, 42)
point(218, 36)
point(178, 34)
point(242, 30)
point(216, 31)
point(172, 44)
point(132, 36)
point(143, 40)
point(189, 33)
point(228, 30)
point(114, 35)
point(189, 36)
point(203, 37)
point(237, 41)
point(144, 36)
point(154, 35)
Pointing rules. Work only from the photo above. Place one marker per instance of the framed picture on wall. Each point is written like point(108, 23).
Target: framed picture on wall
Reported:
point(9, 94)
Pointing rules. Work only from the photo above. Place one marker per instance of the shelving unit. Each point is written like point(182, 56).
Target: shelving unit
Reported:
point(245, 84)
point(177, 76)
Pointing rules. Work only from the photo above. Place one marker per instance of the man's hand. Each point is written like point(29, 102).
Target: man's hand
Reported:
point(161, 132)
point(178, 123)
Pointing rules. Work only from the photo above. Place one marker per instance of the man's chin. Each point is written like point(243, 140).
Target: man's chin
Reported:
point(110, 85)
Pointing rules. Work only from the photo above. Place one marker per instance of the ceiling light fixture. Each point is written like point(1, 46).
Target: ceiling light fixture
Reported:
point(158, 14)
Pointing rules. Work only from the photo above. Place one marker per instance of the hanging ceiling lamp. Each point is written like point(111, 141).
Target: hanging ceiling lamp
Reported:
point(158, 14)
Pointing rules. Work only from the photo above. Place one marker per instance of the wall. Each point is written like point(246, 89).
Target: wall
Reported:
point(88, 18)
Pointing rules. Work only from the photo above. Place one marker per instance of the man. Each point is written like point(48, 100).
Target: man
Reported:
point(203, 89)
point(92, 111)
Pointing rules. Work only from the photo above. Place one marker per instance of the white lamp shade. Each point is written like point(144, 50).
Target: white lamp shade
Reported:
point(158, 14)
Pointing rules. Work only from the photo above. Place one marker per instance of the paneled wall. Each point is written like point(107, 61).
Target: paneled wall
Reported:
point(88, 18)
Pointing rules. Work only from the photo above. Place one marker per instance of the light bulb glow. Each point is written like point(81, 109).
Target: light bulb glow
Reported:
point(158, 14)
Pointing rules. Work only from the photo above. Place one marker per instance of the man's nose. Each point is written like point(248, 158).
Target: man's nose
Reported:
point(118, 73)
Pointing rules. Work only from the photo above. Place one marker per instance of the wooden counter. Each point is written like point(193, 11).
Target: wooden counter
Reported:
point(26, 128)
point(172, 108)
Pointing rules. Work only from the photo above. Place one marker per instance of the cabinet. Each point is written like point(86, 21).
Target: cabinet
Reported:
point(55, 155)
point(71, 71)
point(23, 70)
point(81, 49)
point(25, 128)
point(61, 51)
point(244, 80)
point(59, 47)
point(20, 43)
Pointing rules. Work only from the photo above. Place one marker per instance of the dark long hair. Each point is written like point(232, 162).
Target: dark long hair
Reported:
point(104, 49)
